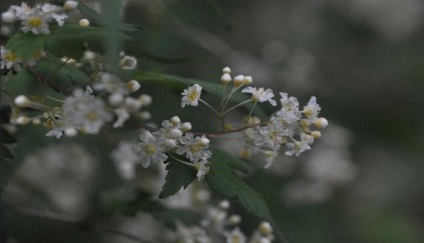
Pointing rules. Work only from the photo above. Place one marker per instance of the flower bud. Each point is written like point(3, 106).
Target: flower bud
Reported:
point(224, 204)
point(265, 228)
point(22, 120)
point(175, 133)
point(204, 141)
point(175, 120)
point(170, 143)
point(132, 85)
point(36, 121)
point(247, 80)
point(71, 132)
point(321, 122)
point(8, 17)
point(238, 80)
point(22, 101)
point(226, 70)
point(115, 99)
point(234, 219)
point(316, 134)
point(226, 78)
point(70, 5)
point(186, 126)
point(5, 31)
point(84, 23)
point(128, 62)
point(144, 115)
point(145, 99)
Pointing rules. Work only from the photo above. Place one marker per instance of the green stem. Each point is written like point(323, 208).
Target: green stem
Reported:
point(232, 108)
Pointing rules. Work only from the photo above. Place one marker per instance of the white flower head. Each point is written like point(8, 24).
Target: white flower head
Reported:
point(9, 60)
point(86, 111)
point(260, 95)
point(191, 95)
point(125, 159)
point(150, 149)
point(36, 22)
point(300, 146)
point(235, 236)
point(312, 109)
point(195, 148)
point(202, 169)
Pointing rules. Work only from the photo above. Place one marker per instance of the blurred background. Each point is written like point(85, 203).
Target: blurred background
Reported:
point(362, 59)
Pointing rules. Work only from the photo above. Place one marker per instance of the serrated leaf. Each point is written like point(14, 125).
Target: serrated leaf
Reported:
point(235, 163)
point(59, 77)
point(26, 45)
point(179, 175)
point(223, 179)
point(5, 137)
point(212, 88)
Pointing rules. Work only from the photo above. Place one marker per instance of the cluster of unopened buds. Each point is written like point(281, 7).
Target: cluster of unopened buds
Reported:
point(290, 128)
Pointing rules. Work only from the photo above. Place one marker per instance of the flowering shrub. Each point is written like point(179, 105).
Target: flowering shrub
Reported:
point(88, 86)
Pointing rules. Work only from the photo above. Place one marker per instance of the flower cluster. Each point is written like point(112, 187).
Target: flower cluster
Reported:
point(218, 224)
point(36, 19)
point(85, 112)
point(173, 137)
point(289, 129)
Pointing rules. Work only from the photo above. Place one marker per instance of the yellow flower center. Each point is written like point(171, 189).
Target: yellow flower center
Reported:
point(91, 116)
point(35, 21)
point(196, 148)
point(10, 56)
point(192, 95)
point(150, 149)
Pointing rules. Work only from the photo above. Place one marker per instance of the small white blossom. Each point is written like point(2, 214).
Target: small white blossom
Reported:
point(312, 109)
point(128, 62)
point(235, 236)
point(36, 22)
point(191, 96)
point(195, 148)
point(260, 95)
point(9, 60)
point(122, 115)
point(202, 169)
point(125, 159)
point(84, 110)
point(300, 146)
point(150, 149)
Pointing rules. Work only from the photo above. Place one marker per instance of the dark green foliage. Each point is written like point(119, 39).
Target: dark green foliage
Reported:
point(179, 175)
point(5, 157)
point(26, 45)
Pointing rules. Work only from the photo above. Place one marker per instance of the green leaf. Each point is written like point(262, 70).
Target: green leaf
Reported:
point(182, 83)
point(59, 77)
point(5, 137)
point(223, 179)
point(235, 163)
point(26, 45)
point(5, 157)
point(179, 175)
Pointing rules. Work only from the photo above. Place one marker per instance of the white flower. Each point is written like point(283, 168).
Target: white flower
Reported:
point(128, 62)
point(56, 122)
point(54, 12)
point(150, 149)
point(122, 115)
point(300, 146)
point(271, 136)
point(9, 60)
point(125, 159)
point(312, 109)
point(260, 95)
point(235, 236)
point(202, 169)
point(36, 22)
point(191, 95)
point(195, 148)
point(86, 111)
point(289, 112)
